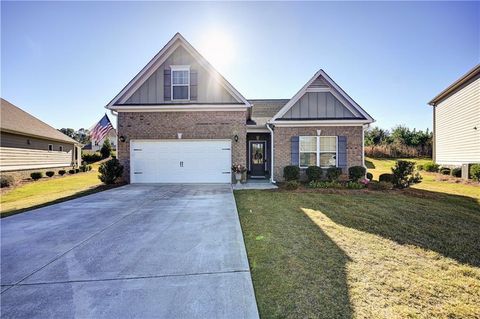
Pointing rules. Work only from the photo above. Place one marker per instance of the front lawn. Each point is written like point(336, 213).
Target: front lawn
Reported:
point(363, 254)
point(49, 190)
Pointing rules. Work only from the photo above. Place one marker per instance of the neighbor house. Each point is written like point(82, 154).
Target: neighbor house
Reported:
point(95, 145)
point(30, 145)
point(180, 121)
point(456, 122)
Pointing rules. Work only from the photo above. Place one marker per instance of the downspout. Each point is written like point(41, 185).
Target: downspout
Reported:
point(364, 128)
point(272, 152)
point(116, 136)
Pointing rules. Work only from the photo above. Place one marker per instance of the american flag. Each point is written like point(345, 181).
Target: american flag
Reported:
point(101, 129)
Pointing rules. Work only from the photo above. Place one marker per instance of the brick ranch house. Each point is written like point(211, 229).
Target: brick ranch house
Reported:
point(180, 121)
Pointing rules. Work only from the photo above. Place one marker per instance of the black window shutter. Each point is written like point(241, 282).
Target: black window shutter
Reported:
point(295, 150)
point(193, 85)
point(167, 82)
point(342, 153)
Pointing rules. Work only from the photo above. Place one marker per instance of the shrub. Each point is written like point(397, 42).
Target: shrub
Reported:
point(89, 167)
point(370, 176)
point(354, 185)
point(71, 171)
point(36, 175)
point(83, 168)
point(420, 167)
point(77, 170)
point(314, 173)
point(404, 174)
point(356, 172)
point(291, 173)
point(324, 184)
point(61, 172)
point(431, 167)
point(50, 173)
point(6, 181)
point(333, 173)
point(91, 158)
point(445, 171)
point(380, 186)
point(106, 149)
point(110, 171)
point(457, 172)
point(387, 178)
point(291, 185)
point(475, 172)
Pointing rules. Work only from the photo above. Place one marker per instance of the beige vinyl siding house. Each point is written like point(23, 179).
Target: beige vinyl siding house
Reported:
point(28, 144)
point(457, 122)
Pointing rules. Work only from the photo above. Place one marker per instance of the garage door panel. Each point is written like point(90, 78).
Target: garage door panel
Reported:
point(200, 161)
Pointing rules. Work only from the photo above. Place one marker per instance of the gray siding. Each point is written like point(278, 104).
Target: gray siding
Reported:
point(208, 89)
point(19, 152)
point(318, 105)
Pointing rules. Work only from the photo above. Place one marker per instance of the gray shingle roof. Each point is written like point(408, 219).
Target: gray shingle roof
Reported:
point(267, 107)
point(14, 119)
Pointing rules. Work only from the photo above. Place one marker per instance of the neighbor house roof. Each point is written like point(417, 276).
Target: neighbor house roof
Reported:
point(15, 120)
point(455, 86)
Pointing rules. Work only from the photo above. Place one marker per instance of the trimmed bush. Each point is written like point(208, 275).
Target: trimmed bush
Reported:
point(291, 173)
point(77, 170)
point(110, 171)
point(333, 173)
point(314, 173)
point(354, 185)
point(50, 173)
point(431, 167)
point(83, 168)
point(370, 176)
point(387, 178)
point(36, 175)
point(89, 167)
point(457, 172)
point(445, 171)
point(420, 167)
point(404, 174)
point(6, 181)
point(356, 172)
point(71, 171)
point(291, 185)
point(475, 172)
point(380, 186)
point(91, 158)
point(106, 149)
point(61, 172)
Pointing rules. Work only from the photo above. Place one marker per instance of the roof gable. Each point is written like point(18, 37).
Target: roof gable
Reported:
point(16, 120)
point(177, 50)
point(319, 99)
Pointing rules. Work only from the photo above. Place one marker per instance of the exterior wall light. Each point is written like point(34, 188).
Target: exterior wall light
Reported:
point(235, 138)
point(179, 136)
point(122, 139)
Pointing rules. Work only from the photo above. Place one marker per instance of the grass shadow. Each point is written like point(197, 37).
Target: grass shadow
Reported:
point(86, 192)
point(297, 270)
point(369, 164)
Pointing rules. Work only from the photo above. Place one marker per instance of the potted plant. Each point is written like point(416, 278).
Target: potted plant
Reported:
point(238, 169)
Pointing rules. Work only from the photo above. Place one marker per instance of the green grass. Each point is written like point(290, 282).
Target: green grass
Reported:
point(361, 254)
point(430, 181)
point(50, 190)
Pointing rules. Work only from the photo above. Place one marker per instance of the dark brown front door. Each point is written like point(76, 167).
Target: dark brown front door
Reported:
point(257, 158)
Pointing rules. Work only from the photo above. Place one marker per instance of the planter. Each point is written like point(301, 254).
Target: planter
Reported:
point(238, 177)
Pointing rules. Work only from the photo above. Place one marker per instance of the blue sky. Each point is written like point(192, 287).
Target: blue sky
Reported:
point(63, 61)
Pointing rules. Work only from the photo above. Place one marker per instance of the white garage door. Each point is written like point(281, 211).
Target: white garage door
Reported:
point(180, 161)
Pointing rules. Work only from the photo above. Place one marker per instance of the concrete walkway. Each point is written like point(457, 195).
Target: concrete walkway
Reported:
point(138, 251)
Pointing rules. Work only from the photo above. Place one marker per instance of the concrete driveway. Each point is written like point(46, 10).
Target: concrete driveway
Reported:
point(138, 251)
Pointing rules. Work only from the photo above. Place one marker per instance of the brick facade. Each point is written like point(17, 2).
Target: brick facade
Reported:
point(283, 137)
point(192, 125)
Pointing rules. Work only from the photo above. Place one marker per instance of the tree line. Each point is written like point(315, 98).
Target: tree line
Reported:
point(400, 141)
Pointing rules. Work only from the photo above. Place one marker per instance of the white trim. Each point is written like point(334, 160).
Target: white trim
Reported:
point(272, 146)
point(257, 130)
point(177, 68)
point(337, 88)
point(319, 151)
point(179, 108)
point(159, 59)
point(308, 123)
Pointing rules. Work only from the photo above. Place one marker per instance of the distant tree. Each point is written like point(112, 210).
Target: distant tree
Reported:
point(376, 136)
point(106, 149)
point(82, 135)
point(68, 131)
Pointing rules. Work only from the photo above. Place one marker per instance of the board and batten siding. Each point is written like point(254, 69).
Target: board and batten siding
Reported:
point(209, 89)
point(18, 152)
point(456, 139)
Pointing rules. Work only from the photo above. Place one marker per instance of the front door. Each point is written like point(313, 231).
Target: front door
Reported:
point(257, 158)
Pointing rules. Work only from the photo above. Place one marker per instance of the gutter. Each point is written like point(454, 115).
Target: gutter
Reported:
point(272, 152)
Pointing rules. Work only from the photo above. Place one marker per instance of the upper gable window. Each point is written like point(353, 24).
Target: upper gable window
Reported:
point(180, 82)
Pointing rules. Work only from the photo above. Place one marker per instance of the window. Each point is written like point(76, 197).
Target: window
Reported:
point(60, 148)
point(180, 82)
point(50, 147)
point(318, 151)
